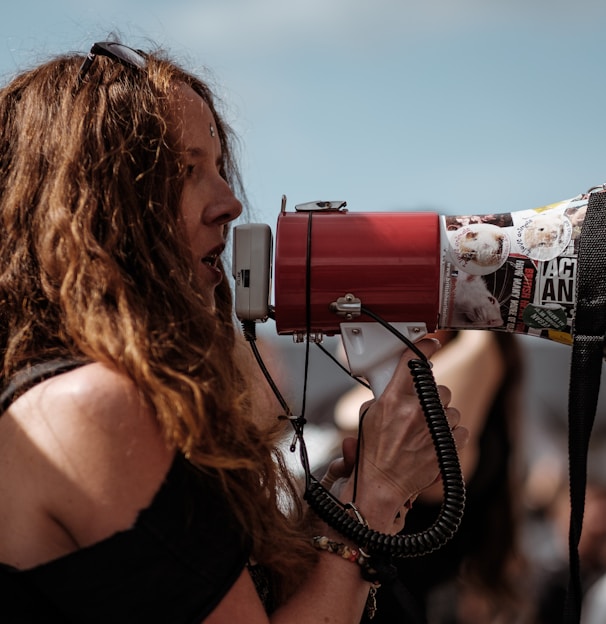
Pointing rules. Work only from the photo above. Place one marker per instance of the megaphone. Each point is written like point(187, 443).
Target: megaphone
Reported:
point(513, 272)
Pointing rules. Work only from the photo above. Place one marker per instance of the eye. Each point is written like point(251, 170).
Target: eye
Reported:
point(190, 170)
point(221, 168)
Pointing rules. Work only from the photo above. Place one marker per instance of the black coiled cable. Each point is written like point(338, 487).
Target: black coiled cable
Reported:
point(334, 513)
point(327, 507)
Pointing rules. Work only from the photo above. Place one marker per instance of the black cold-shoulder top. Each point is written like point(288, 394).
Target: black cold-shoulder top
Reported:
point(173, 566)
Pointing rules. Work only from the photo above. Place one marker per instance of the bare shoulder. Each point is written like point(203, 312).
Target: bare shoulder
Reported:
point(92, 406)
point(95, 445)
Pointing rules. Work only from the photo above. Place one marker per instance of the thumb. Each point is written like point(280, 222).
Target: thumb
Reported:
point(341, 468)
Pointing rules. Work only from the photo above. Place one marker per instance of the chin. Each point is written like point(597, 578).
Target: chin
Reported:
point(206, 291)
point(210, 299)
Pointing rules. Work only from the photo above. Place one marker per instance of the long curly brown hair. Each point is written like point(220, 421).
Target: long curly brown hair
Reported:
point(93, 265)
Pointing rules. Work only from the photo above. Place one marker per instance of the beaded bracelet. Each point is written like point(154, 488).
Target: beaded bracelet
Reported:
point(355, 555)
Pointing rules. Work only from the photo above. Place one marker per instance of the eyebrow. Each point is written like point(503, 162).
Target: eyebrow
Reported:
point(195, 151)
point(199, 152)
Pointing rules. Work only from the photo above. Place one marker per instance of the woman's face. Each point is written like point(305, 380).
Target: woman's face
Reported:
point(207, 203)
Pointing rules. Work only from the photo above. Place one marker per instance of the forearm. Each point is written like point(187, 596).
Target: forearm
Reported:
point(334, 593)
point(395, 463)
point(336, 587)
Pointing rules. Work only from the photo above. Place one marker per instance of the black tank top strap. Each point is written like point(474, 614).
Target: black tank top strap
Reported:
point(28, 377)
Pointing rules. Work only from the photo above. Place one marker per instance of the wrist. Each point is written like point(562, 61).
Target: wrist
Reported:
point(357, 556)
point(381, 506)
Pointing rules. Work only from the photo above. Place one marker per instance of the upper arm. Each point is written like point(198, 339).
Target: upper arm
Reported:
point(472, 367)
point(105, 452)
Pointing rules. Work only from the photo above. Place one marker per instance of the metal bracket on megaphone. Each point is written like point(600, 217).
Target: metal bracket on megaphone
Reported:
point(372, 351)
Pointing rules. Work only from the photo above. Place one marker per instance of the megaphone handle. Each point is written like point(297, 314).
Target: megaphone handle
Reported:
point(373, 352)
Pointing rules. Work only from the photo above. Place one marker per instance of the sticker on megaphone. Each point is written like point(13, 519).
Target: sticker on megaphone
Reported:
point(513, 271)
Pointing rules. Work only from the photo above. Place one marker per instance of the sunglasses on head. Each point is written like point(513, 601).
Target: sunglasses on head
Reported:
point(116, 51)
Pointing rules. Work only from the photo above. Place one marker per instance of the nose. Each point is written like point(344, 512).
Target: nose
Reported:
point(225, 207)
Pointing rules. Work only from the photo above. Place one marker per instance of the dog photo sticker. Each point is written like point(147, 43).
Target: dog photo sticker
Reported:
point(479, 248)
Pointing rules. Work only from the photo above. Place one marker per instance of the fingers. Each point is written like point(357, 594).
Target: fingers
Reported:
point(453, 416)
point(342, 467)
point(445, 395)
point(461, 436)
point(336, 470)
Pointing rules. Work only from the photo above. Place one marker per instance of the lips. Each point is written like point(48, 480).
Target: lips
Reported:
point(211, 261)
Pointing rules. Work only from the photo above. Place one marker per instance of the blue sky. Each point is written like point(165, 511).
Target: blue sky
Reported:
point(456, 106)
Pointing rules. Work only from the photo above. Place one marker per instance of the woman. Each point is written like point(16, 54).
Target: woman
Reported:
point(137, 483)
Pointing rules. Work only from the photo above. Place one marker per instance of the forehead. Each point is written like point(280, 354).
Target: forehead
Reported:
point(194, 121)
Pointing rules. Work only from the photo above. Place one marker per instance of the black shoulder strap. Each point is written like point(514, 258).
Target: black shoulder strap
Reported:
point(29, 377)
point(589, 330)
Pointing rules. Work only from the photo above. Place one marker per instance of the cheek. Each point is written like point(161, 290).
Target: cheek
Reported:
point(187, 221)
